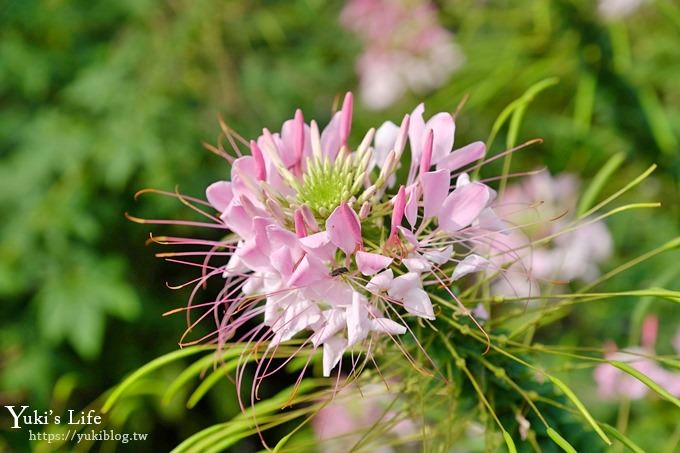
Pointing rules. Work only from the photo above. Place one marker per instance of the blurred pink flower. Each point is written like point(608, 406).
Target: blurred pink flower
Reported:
point(538, 207)
point(341, 424)
point(405, 47)
point(613, 383)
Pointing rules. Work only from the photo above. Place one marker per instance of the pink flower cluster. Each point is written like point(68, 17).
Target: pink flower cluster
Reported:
point(405, 48)
point(324, 250)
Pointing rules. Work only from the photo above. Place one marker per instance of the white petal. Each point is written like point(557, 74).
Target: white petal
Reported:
point(403, 284)
point(416, 264)
point(335, 320)
point(358, 325)
point(386, 325)
point(439, 256)
point(418, 303)
point(333, 348)
point(471, 263)
point(380, 282)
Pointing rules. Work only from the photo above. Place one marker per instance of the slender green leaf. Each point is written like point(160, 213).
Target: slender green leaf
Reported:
point(581, 408)
point(210, 381)
point(584, 101)
point(148, 368)
point(561, 441)
point(618, 435)
point(620, 192)
point(509, 442)
point(598, 182)
point(281, 443)
point(527, 97)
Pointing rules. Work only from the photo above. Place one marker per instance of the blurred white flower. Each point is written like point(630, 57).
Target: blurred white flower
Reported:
point(618, 9)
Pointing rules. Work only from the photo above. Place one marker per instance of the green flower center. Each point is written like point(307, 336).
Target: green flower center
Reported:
point(327, 184)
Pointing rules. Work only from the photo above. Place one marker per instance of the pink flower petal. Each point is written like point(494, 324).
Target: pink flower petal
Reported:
point(463, 156)
point(418, 303)
point(399, 202)
point(253, 256)
point(650, 329)
point(219, 195)
point(319, 245)
point(444, 130)
point(346, 118)
point(260, 166)
point(330, 137)
point(300, 228)
point(404, 283)
point(426, 158)
point(309, 271)
point(435, 190)
point(282, 261)
point(413, 197)
point(344, 228)
point(243, 178)
point(409, 236)
point(371, 263)
point(416, 131)
point(237, 220)
point(309, 218)
point(404, 128)
point(463, 206)
point(299, 135)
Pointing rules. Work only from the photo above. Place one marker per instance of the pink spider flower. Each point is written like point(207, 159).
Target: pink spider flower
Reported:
point(321, 246)
point(405, 47)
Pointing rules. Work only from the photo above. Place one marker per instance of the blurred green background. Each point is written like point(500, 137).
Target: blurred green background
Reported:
point(101, 99)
